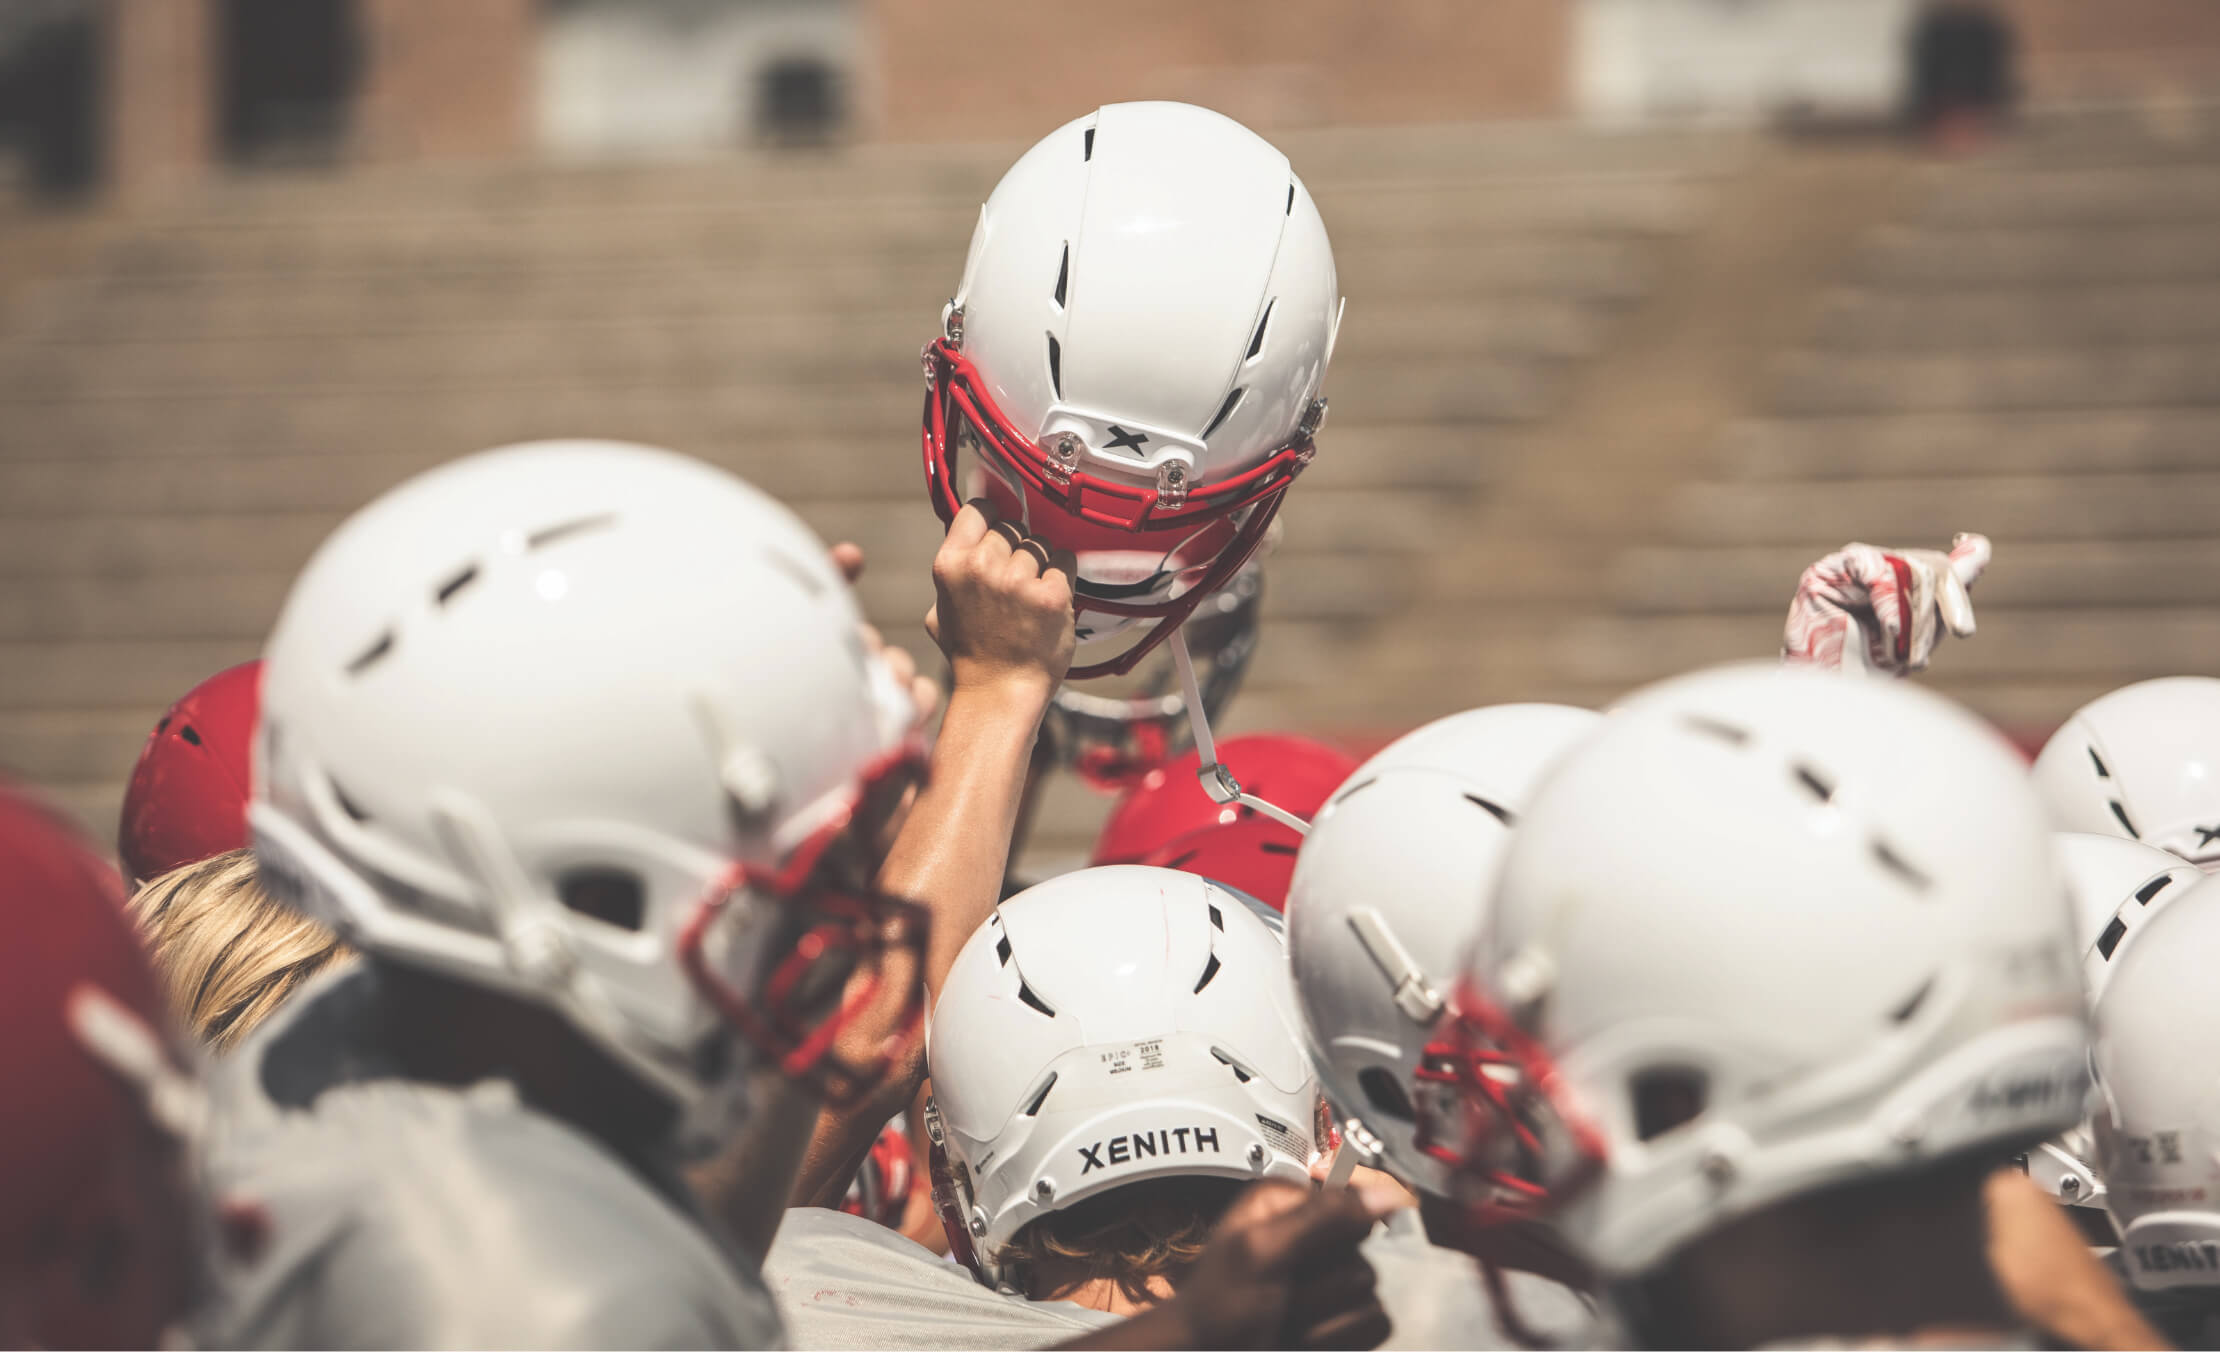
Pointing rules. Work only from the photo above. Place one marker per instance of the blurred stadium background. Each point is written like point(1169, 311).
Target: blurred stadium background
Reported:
point(1651, 302)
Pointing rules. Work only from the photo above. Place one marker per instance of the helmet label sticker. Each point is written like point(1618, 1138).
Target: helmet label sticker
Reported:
point(1140, 1145)
point(2188, 1255)
point(1282, 1138)
point(1148, 1055)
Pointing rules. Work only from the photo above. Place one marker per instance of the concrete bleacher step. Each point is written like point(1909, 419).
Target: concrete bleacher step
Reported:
point(1890, 445)
point(2139, 314)
point(1912, 511)
point(2105, 195)
point(2150, 375)
point(1909, 256)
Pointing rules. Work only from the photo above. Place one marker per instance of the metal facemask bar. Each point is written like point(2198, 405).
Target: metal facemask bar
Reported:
point(1217, 780)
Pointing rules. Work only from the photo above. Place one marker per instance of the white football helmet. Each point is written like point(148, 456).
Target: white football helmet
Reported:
point(2142, 762)
point(591, 724)
point(1108, 1026)
point(1388, 892)
point(1135, 355)
point(2117, 885)
point(2158, 1063)
point(1765, 932)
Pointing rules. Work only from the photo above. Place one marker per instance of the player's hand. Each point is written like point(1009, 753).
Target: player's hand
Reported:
point(1882, 609)
point(1282, 1270)
point(1003, 605)
point(2049, 1275)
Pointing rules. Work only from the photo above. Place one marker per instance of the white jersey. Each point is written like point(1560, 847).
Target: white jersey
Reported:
point(844, 1282)
point(404, 1214)
point(1436, 1299)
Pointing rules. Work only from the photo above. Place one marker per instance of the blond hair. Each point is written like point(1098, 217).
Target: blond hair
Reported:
point(227, 953)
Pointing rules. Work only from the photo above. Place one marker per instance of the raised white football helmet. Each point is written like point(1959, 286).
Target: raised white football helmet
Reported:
point(2158, 1131)
point(1108, 1026)
point(2142, 762)
point(1766, 931)
point(1135, 356)
point(1389, 889)
point(591, 724)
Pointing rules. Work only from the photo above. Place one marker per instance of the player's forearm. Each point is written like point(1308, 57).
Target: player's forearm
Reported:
point(955, 847)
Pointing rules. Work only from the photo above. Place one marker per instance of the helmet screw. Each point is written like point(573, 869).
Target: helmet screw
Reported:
point(1718, 1170)
point(2069, 1186)
point(1044, 1190)
point(1314, 417)
point(978, 1221)
point(953, 323)
point(1068, 447)
point(1256, 1157)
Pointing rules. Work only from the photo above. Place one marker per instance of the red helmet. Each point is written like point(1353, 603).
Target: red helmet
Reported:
point(96, 1234)
point(881, 1188)
point(1167, 820)
point(188, 794)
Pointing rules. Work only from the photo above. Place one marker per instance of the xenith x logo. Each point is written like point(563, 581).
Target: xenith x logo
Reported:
point(1142, 1144)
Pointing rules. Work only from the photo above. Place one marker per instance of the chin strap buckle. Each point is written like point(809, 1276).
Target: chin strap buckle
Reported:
point(1216, 779)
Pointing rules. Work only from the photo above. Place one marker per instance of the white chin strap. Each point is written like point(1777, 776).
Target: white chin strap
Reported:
point(1217, 781)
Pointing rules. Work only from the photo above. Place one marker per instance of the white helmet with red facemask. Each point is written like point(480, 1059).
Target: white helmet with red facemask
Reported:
point(593, 725)
point(1823, 939)
point(1135, 356)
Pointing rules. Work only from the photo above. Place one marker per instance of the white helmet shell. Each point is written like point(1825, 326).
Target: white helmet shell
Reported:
point(1150, 291)
point(2158, 1131)
point(2117, 885)
point(553, 663)
point(1777, 930)
point(1108, 1026)
point(1389, 890)
point(2142, 762)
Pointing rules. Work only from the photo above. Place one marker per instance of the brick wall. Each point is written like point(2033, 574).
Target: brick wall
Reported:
point(443, 80)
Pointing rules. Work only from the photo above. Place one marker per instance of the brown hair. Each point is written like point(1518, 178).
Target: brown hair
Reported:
point(1131, 1235)
point(227, 953)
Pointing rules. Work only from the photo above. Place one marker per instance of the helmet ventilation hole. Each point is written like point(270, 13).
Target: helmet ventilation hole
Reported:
point(372, 655)
point(1217, 918)
point(2098, 761)
point(1898, 865)
point(612, 896)
point(1277, 847)
point(1240, 1072)
point(2119, 814)
point(1903, 1012)
point(1225, 410)
point(1495, 810)
point(1711, 727)
point(2110, 939)
point(1814, 783)
point(447, 589)
point(1256, 344)
point(1291, 197)
point(1087, 146)
point(1385, 1093)
point(1210, 973)
point(1063, 274)
point(348, 805)
point(547, 535)
point(2152, 888)
point(1055, 366)
point(1002, 949)
point(1025, 994)
point(1033, 1105)
point(1665, 1098)
point(191, 734)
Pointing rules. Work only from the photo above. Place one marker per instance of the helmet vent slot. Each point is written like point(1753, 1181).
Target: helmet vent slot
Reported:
point(2119, 814)
point(1063, 274)
point(1055, 366)
point(612, 896)
point(1033, 1105)
point(547, 535)
point(1240, 1072)
point(455, 584)
point(1899, 865)
point(2098, 761)
point(1291, 197)
point(1277, 847)
point(1217, 917)
point(1385, 1093)
point(1002, 949)
point(2110, 939)
point(1814, 783)
point(1087, 146)
point(1495, 810)
point(1256, 344)
point(1225, 411)
point(190, 733)
point(347, 805)
point(1667, 1097)
point(1025, 993)
point(2152, 888)
point(1210, 973)
point(1904, 1012)
point(372, 655)
point(1711, 727)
